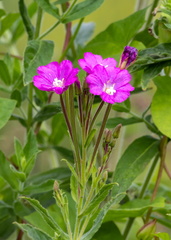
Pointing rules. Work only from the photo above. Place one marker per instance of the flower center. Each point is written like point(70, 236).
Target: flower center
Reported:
point(58, 83)
point(109, 89)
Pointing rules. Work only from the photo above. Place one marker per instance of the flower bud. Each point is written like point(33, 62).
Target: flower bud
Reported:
point(128, 56)
point(116, 131)
point(147, 231)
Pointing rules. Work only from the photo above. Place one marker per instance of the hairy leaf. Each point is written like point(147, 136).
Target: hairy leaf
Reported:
point(136, 157)
point(7, 107)
point(36, 54)
point(160, 107)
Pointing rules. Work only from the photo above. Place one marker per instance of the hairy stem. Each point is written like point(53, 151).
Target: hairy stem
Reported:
point(100, 134)
point(163, 146)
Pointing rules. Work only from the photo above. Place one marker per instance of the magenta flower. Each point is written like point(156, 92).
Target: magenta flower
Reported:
point(128, 56)
point(111, 84)
point(91, 60)
point(56, 77)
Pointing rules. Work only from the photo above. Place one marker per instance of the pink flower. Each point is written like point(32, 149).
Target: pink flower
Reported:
point(91, 60)
point(111, 84)
point(56, 77)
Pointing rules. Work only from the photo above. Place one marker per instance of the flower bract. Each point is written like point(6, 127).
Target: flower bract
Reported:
point(111, 84)
point(91, 60)
point(56, 76)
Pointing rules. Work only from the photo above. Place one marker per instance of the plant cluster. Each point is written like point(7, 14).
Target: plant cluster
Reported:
point(65, 108)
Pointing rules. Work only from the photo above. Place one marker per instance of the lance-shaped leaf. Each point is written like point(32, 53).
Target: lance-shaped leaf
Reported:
point(136, 157)
point(49, 8)
point(104, 191)
point(134, 208)
point(160, 108)
point(8, 21)
point(117, 35)
point(33, 233)
point(82, 9)
point(36, 54)
point(7, 107)
point(47, 112)
point(26, 19)
point(108, 231)
point(7, 174)
point(46, 216)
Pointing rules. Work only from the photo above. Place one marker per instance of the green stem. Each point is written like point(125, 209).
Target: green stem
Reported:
point(49, 30)
point(66, 116)
point(95, 115)
point(144, 120)
point(163, 146)
point(30, 107)
point(100, 134)
point(68, 10)
point(73, 127)
point(143, 189)
point(38, 23)
point(150, 16)
point(71, 40)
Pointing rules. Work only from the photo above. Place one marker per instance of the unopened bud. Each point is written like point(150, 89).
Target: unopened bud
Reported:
point(128, 57)
point(56, 186)
point(113, 143)
point(107, 135)
point(147, 231)
point(116, 131)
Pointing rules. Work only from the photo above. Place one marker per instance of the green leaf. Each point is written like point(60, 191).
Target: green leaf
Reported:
point(162, 236)
point(7, 174)
point(134, 208)
point(65, 153)
point(72, 169)
point(97, 222)
point(116, 36)
point(33, 233)
point(58, 129)
point(30, 152)
point(49, 8)
point(82, 9)
point(4, 73)
point(103, 193)
point(74, 188)
point(26, 19)
point(136, 157)
point(108, 231)
point(160, 107)
point(19, 175)
point(8, 21)
point(39, 188)
point(89, 138)
point(16, 95)
point(47, 112)
point(6, 220)
point(113, 122)
point(36, 54)
point(122, 107)
point(7, 107)
point(84, 33)
point(45, 215)
point(56, 174)
point(2, 13)
point(18, 28)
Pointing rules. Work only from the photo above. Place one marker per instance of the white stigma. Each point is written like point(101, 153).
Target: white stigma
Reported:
point(58, 83)
point(109, 89)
